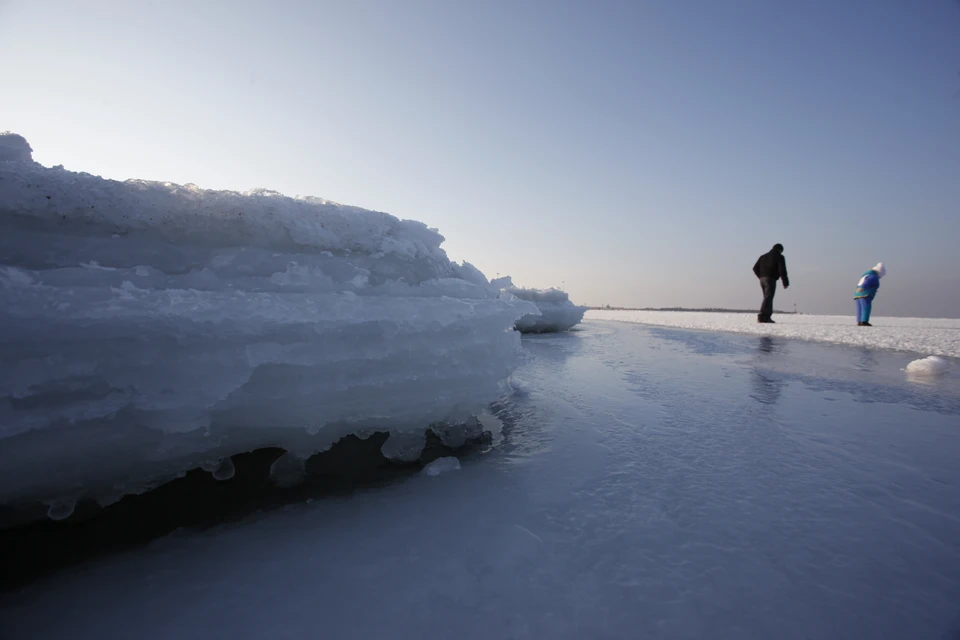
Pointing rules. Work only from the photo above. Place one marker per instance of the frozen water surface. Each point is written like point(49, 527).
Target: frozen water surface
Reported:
point(650, 483)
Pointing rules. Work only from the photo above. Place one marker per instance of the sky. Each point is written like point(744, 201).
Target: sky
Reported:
point(639, 153)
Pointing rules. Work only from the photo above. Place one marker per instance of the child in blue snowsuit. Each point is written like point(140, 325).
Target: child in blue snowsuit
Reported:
point(866, 292)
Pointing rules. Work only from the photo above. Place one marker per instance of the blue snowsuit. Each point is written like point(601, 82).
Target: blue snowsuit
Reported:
point(865, 293)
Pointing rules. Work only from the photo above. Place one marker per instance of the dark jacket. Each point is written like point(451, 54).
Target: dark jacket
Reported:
point(772, 265)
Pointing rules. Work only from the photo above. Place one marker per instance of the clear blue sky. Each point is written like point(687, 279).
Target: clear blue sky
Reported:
point(642, 153)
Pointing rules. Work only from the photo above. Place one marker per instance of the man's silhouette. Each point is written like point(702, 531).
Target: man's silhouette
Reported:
point(769, 268)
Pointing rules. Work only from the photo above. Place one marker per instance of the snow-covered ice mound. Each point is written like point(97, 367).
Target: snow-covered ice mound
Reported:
point(557, 312)
point(150, 328)
point(930, 366)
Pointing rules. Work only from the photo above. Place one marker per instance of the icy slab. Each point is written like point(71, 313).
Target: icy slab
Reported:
point(921, 335)
point(930, 366)
point(441, 465)
point(150, 328)
point(557, 312)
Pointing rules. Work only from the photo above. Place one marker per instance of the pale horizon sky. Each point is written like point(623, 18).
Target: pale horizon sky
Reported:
point(636, 153)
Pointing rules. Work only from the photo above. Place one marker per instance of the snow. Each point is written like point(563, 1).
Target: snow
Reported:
point(557, 312)
point(651, 484)
point(150, 328)
point(920, 335)
point(929, 366)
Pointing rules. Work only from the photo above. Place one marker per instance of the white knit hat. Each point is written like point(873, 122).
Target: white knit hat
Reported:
point(880, 269)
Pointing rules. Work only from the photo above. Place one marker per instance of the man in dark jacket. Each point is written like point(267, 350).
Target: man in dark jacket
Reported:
point(769, 268)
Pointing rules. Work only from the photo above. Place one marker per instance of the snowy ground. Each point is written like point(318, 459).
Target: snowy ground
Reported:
point(927, 336)
point(652, 483)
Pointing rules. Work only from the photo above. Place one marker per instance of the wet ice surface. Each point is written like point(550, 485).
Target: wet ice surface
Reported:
point(651, 483)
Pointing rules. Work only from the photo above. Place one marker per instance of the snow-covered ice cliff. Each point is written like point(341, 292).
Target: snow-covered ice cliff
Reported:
point(150, 328)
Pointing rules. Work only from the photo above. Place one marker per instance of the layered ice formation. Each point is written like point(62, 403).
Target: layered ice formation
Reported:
point(150, 328)
point(556, 311)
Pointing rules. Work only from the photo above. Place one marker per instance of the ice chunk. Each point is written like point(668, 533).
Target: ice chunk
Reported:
point(441, 465)
point(518, 387)
point(225, 470)
point(287, 471)
point(557, 312)
point(404, 446)
point(211, 465)
point(470, 273)
point(14, 148)
point(61, 508)
point(492, 425)
point(930, 366)
point(220, 469)
point(458, 435)
point(150, 327)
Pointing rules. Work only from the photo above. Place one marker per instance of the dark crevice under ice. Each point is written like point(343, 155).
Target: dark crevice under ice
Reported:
point(33, 546)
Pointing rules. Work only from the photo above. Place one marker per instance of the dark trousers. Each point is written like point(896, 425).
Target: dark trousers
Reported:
point(769, 286)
